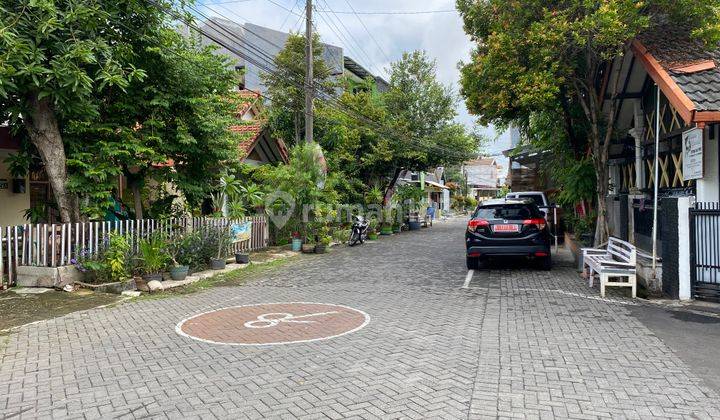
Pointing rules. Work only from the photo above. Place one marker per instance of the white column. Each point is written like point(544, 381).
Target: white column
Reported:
point(684, 204)
point(708, 187)
point(638, 134)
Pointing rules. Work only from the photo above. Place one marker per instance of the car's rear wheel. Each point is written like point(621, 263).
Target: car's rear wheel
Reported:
point(473, 263)
point(546, 263)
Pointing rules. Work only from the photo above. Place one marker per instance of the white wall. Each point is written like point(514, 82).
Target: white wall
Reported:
point(708, 188)
point(684, 204)
point(12, 205)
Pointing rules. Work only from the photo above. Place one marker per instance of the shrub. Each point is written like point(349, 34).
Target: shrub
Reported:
point(152, 254)
point(109, 265)
point(117, 257)
point(181, 248)
point(341, 235)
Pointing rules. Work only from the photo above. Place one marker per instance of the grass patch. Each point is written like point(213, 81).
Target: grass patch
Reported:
point(20, 309)
point(233, 278)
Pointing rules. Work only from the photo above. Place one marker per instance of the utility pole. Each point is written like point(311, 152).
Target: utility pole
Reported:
point(309, 73)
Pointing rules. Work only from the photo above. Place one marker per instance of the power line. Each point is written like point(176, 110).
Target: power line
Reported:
point(334, 103)
point(352, 12)
point(290, 12)
point(288, 15)
point(226, 2)
point(368, 31)
point(398, 12)
point(339, 33)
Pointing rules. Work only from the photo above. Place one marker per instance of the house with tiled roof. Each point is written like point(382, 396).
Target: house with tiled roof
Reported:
point(256, 145)
point(667, 93)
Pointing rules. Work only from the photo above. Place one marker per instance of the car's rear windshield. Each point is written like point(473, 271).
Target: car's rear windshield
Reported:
point(536, 198)
point(507, 211)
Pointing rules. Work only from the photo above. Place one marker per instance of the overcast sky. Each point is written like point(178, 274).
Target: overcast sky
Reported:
point(374, 40)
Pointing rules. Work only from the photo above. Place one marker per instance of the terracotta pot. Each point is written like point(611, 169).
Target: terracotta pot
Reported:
point(141, 284)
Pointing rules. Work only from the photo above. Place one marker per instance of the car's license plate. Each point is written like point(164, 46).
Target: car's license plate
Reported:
point(505, 228)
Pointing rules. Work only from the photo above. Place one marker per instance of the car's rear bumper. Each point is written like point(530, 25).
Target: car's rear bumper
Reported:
point(516, 250)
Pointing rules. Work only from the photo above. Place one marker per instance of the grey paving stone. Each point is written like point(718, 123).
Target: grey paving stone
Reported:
point(519, 343)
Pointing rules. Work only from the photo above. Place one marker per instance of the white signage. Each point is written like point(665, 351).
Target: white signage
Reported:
point(692, 148)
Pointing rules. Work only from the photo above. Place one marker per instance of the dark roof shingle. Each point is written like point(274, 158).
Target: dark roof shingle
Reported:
point(674, 48)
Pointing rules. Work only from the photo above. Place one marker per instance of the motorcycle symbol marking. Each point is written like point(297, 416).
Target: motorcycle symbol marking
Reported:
point(270, 320)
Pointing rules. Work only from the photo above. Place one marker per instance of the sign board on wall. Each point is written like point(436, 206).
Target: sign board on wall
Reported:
point(692, 148)
point(241, 231)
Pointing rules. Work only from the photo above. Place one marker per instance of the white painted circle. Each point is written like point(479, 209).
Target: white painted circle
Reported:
point(286, 319)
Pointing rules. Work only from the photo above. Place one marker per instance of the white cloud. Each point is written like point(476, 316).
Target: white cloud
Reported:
point(440, 34)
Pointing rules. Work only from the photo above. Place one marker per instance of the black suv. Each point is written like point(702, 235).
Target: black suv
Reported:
point(508, 227)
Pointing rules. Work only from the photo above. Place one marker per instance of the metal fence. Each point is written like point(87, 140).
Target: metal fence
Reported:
point(705, 251)
point(54, 245)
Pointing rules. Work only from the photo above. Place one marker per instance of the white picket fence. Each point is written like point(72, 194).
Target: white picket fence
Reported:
point(54, 245)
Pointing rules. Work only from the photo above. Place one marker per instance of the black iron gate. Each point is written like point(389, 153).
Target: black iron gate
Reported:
point(705, 251)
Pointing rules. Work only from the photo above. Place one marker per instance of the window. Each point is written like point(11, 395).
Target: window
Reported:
point(536, 198)
point(508, 212)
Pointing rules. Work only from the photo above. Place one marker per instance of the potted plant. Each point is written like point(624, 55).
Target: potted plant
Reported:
point(296, 241)
point(410, 198)
point(308, 247)
point(324, 238)
point(396, 227)
point(153, 258)
point(388, 213)
point(242, 258)
point(372, 229)
point(323, 244)
point(222, 237)
point(179, 249)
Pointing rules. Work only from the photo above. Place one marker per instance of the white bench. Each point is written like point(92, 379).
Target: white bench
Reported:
point(615, 261)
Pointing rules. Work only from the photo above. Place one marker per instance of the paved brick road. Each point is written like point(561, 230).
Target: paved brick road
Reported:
point(518, 343)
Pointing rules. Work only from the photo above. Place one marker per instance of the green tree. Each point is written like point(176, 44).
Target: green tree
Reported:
point(354, 140)
point(416, 96)
point(537, 55)
point(423, 109)
point(285, 86)
point(172, 126)
point(107, 88)
point(55, 57)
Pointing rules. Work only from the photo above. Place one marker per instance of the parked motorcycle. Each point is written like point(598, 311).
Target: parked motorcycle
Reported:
point(359, 230)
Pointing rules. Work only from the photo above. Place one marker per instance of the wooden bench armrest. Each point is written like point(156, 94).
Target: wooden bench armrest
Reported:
point(589, 251)
point(617, 264)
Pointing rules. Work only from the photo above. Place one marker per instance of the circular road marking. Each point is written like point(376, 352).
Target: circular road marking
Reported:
point(273, 323)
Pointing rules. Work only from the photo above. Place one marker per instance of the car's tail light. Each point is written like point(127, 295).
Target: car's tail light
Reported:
point(538, 222)
point(474, 224)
